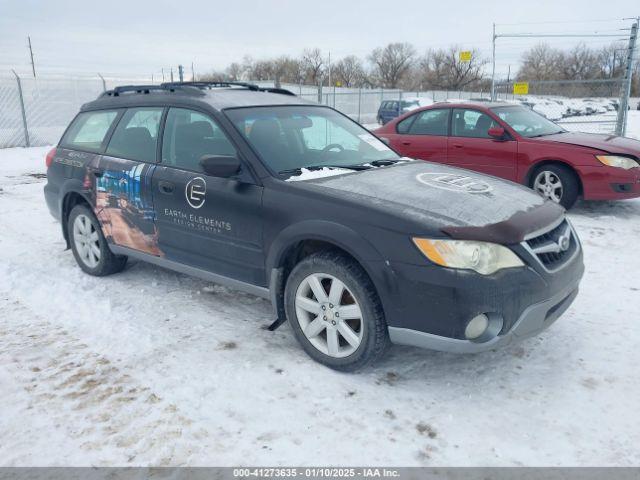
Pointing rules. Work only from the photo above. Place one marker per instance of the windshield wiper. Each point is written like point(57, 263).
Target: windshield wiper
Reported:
point(298, 170)
point(383, 163)
point(546, 134)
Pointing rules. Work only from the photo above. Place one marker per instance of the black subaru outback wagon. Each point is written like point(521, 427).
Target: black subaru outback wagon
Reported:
point(354, 246)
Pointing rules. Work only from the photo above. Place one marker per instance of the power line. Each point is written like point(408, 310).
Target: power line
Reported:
point(556, 22)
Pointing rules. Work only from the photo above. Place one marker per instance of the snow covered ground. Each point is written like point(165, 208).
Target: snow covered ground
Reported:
point(150, 367)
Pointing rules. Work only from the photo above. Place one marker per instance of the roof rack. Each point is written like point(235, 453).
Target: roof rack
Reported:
point(193, 86)
point(282, 91)
point(250, 86)
point(117, 91)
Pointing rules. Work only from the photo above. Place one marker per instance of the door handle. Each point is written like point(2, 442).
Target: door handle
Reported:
point(406, 143)
point(166, 187)
point(458, 145)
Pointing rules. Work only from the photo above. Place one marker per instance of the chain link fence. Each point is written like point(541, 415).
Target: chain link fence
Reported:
point(35, 111)
point(577, 105)
point(362, 104)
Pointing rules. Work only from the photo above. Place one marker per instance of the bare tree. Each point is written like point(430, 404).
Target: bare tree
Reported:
point(288, 70)
point(612, 60)
point(442, 69)
point(392, 63)
point(580, 63)
point(349, 71)
point(234, 72)
point(314, 65)
point(541, 62)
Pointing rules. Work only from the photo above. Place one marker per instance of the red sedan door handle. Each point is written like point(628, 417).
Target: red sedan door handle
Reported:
point(458, 145)
point(406, 143)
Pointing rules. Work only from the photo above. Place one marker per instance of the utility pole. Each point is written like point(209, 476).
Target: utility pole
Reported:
point(329, 68)
point(493, 68)
point(162, 70)
point(621, 124)
point(181, 73)
point(33, 65)
point(171, 74)
point(193, 73)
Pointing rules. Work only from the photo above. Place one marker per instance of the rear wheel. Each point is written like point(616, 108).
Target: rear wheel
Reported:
point(557, 183)
point(88, 244)
point(335, 312)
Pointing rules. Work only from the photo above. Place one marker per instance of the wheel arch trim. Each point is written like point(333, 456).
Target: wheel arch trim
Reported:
point(528, 177)
point(70, 187)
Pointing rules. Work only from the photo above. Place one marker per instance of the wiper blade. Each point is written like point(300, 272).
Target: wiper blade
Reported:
point(547, 134)
point(298, 170)
point(383, 163)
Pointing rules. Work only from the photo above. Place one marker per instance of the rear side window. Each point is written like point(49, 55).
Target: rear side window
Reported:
point(136, 136)
point(427, 122)
point(431, 122)
point(88, 130)
point(405, 125)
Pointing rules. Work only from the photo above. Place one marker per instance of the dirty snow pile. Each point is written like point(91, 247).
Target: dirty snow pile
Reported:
point(150, 367)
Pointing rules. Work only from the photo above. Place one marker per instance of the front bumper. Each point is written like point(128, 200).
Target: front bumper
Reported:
point(429, 306)
point(608, 183)
point(533, 320)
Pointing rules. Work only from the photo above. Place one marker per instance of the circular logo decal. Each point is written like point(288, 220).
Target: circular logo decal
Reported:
point(196, 191)
point(564, 243)
point(454, 182)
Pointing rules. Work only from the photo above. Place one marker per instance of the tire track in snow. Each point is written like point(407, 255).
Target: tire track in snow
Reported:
point(71, 385)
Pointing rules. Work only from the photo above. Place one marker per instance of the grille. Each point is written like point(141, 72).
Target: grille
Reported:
point(555, 247)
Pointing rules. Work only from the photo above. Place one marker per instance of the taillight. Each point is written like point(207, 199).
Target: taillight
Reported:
point(50, 155)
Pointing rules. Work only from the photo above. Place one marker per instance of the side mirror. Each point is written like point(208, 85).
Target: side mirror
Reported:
point(497, 133)
point(223, 166)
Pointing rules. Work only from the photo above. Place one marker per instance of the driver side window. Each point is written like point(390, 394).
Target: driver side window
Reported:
point(188, 135)
point(471, 123)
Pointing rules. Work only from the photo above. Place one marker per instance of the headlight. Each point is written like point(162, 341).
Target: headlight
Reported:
point(483, 257)
point(617, 161)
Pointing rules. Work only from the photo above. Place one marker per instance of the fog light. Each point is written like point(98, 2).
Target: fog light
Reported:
point(476, 327)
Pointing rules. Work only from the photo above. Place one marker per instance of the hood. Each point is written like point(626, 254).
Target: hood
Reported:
point(606, 143)
point(460, 203)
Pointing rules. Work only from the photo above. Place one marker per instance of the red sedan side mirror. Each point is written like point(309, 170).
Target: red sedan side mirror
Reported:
point(496, 132)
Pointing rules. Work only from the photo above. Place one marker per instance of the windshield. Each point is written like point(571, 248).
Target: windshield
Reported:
point(289, 138)
point(527, 122)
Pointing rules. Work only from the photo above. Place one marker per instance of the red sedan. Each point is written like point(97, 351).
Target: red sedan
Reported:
point(516, 143)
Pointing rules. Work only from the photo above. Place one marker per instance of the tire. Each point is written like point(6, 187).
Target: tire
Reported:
point(358, 296)
point(569, 187)
point(89, 246)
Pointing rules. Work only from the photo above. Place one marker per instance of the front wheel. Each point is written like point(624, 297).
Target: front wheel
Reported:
point(556, 183)
point(335, 312)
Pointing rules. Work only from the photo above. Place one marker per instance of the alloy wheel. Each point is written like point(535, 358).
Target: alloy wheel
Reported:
point(329, 315)
point(87, 241)
point(549, 185)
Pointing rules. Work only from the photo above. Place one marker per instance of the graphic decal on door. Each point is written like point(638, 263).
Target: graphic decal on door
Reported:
point(123, 204)
point(196, 192)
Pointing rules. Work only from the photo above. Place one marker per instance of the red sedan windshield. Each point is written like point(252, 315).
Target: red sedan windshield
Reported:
point(527, 122)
